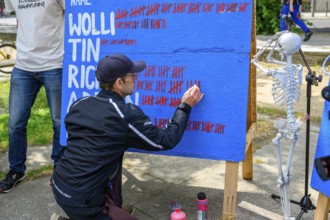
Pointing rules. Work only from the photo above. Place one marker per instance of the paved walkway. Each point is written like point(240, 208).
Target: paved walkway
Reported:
point(152, 182)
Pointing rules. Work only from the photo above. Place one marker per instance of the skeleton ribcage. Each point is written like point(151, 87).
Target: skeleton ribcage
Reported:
point(286, 90)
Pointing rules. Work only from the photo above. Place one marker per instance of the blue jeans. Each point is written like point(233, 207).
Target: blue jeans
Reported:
point(294, 17)
point(24, 87)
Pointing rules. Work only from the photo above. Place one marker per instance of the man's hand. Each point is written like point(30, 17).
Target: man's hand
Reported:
point(291, 8)
point(192, 96)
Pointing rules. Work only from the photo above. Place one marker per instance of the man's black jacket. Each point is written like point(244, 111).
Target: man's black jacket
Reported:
point(100, 129)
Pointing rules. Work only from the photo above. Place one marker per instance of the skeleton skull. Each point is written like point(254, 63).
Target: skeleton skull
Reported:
point(289, 43)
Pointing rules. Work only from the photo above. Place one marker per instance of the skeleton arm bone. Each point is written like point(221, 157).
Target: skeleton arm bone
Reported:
point(268, 44)
point(269, 57)
point(255, 61)
point(272, 60)
point(261, 51)
point(271, 72)
point(268, 72)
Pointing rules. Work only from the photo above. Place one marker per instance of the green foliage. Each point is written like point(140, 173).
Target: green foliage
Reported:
point(267, 16)
point(40, 128)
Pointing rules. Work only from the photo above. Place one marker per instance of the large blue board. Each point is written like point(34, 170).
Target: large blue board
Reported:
point(183, 43)
point(322, 150)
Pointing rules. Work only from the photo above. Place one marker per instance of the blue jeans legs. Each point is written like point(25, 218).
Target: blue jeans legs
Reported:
point(24, 87)
point(294, 15)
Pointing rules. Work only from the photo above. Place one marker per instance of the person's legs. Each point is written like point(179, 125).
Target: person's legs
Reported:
point(285, 11)
point(24, 88)
point(297, 20)
point(114, 199)
point(116, 212)
point(115, 184)
point(76, 214)
point(52, 81)
point(101, 216)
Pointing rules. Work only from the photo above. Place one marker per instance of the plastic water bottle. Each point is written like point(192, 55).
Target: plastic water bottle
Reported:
point(178, 215)
point(174, 206)
point(202, 206)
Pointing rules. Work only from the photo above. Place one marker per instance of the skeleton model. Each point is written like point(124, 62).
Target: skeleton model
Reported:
point(286, 90)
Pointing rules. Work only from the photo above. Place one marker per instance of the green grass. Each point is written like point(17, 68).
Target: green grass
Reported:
point(272, 112)
point(279, 113)
point(39, 129)
point(4, 94)
point(45, 170)
point(258, 161)
point(256, 147)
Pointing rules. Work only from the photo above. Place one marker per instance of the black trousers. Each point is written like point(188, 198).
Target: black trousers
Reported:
point(74, 216)
point(114, 192)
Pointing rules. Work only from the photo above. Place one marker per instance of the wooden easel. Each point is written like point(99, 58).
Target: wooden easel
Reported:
point(231, 175)
point(322, 207)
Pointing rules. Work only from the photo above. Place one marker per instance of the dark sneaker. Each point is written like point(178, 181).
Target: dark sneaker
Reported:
point(58, 217)
point(308, 35)
point(9, 183)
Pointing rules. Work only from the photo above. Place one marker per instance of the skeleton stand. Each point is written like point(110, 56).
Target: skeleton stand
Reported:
point(306, 203)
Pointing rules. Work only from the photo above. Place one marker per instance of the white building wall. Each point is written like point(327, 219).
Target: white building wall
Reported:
point(320, 5)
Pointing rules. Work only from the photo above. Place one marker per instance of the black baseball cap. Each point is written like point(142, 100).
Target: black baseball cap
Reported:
point(115, 66)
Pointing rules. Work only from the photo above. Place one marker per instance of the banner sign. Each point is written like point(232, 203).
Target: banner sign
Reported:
point(183, 43)
point(321, 174)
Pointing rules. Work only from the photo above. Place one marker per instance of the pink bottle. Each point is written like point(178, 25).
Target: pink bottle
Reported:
point(202, 206)
point(178, 215)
